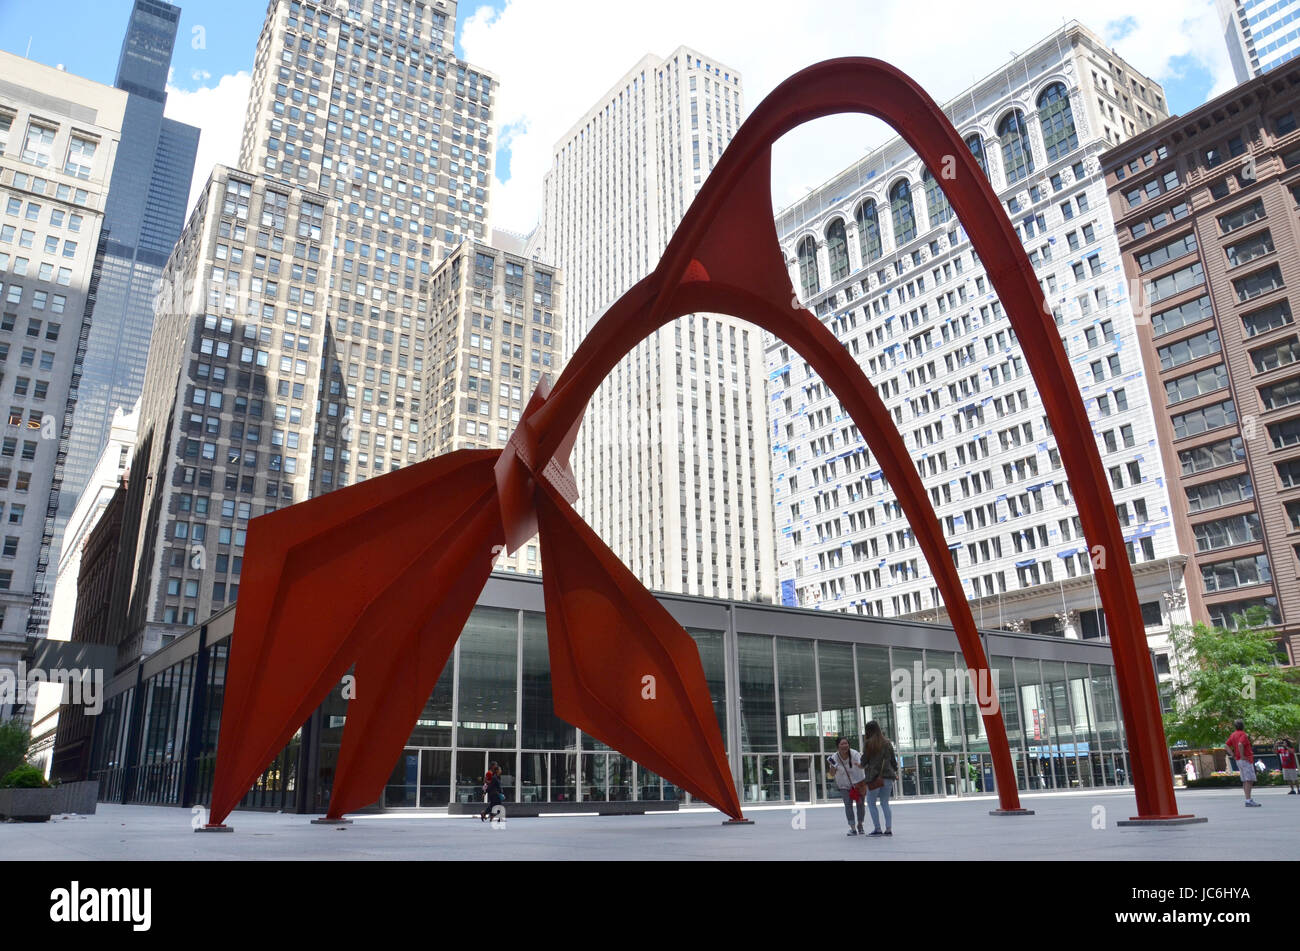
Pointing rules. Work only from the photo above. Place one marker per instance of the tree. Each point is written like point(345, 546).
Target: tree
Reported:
point(15, 738)
point(1232, 675)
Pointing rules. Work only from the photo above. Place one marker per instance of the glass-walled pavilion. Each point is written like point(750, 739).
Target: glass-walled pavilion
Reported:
point(785, 682)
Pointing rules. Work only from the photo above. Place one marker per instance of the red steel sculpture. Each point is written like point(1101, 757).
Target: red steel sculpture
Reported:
point(384, 574)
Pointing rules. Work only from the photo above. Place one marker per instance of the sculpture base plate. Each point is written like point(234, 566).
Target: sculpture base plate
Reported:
point(1162, 822)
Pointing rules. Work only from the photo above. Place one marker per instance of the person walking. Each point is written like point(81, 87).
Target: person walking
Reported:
point(881, 768)
point(1286, 759)
point(845, 767)
point(492, 795)
point(1238, 747)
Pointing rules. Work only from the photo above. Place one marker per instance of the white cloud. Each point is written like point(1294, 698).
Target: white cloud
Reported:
point(554, 59)
point(218, 111)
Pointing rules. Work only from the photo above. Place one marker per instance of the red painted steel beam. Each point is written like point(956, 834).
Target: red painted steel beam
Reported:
point(320, 578)
point(730, 225)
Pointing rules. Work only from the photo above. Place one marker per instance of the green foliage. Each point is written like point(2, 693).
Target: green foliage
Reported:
point(1233, 781)
point(24, 777)
point(14, 741)
point(1230, 675)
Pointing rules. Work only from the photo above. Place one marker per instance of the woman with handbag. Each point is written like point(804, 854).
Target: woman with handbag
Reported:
point(880, 767)
point(492, 795)
point(845, 768)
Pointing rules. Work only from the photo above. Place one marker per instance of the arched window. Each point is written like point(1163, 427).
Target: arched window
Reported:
point(808, 267)
point(976, 146)
point(900, 209)
point(837, 247)
point(936, 202)
point(1017, 157)
point(868, 231)
point(1057, 120)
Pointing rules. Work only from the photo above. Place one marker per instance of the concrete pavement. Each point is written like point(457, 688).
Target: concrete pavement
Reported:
point(1077, 826)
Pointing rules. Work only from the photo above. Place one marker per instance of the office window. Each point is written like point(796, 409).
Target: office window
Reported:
point(38, 144)
point(1237, 573)
point(937, 207)
point(869, 242)
point(1165, 253)
point(1188, 349)
point(808, 267)
point(837, 249)
point(976, 146)
point(1057, 121)
point(81, 153)
point(1278, 355)
point(1210, 495)
point(1204, 419)
point(1241, 216)
point(1167, 285)
point(1249, 248)
point(902, 212)
point(1017, 158)
point(1197, 384)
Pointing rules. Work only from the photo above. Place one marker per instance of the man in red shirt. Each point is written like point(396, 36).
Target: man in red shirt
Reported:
point(1286, 758)
point(1238, 746)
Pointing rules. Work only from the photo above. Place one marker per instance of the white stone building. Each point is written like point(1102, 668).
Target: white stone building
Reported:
point(59, 136)
point(878, 254)
point(671, 460)
point(114, 460)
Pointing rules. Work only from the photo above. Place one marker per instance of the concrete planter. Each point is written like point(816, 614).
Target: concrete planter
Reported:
point(37, 805)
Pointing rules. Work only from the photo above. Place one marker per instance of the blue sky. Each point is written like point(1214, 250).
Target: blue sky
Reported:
point(219, 38)
point(214, 38)
point(533, 46)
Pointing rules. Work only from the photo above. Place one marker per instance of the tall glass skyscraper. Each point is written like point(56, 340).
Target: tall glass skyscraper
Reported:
point(1261, 34)
point(144, 214)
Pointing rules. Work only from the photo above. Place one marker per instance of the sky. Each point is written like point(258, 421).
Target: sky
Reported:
point(554, 58)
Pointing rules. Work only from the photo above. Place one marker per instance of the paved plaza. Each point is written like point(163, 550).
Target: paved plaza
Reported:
point(1067, 825)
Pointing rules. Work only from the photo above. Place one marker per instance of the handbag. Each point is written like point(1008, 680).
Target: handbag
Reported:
point(880, 778)
point(856, 790)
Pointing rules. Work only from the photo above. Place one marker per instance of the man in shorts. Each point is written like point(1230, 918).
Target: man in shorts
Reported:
point(1238, 747)
point(1286, 758)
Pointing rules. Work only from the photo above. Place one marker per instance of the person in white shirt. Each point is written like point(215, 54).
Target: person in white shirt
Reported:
point(846, 767)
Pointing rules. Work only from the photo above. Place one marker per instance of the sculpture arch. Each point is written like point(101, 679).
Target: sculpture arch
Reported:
point(724, 257)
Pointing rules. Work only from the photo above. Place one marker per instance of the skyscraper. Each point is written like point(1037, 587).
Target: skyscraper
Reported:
point(101, 487)
point(1260, 34)
point(671, 461)
point(59, 138)
point(143, 216)
point(301, 345)
point(1205, 205)
point(878, 254)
